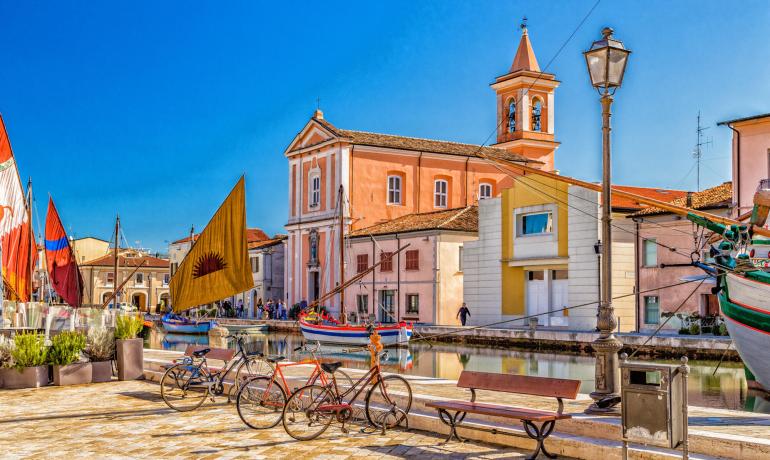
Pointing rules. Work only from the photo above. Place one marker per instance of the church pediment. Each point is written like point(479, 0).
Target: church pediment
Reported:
point(314, 133)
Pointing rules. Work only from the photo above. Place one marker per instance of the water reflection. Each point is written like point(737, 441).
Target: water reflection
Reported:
point(725, 389)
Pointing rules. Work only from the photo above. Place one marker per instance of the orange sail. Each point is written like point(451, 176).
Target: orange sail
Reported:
point(16, 235)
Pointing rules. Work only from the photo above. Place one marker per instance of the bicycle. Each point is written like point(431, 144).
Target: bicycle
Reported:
point(261, 399)
point(185, 385)
point(311, 409)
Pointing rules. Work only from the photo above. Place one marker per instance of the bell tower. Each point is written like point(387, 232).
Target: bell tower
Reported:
point(525, 106)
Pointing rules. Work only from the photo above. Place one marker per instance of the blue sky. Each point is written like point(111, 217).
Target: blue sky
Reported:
point(154, 109)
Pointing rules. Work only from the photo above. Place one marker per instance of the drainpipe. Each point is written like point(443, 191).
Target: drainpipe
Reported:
point(436, 279)
point(374, 286)
point(466, 180)
point(737, 183)
point(637, 225)
point(398, 280)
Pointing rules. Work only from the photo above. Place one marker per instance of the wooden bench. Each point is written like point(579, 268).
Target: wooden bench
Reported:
point(509, 383)
point(220, 354)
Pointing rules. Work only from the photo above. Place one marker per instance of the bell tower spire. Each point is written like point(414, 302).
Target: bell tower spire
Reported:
point(525, 102)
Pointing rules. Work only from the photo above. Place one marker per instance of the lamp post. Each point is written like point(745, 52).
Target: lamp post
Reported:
point(606, 62)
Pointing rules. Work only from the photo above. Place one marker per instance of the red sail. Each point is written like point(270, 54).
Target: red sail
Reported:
point(16, 236)
point(62, 267)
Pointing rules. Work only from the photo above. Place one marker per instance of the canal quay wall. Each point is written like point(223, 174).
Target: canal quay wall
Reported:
point(663, 346)
point(713, 433)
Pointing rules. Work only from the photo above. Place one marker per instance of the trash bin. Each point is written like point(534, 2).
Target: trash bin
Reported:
point(654, 404)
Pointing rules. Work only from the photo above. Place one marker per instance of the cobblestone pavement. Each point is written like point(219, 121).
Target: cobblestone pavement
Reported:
point(130, 420)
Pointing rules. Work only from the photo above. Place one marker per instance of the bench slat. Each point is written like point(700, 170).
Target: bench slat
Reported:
point(532, 415)
point(523, 384)
point(221, 354)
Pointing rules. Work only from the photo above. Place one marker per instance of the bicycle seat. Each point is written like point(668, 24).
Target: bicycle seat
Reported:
point(330, 367)
point(275, 358)
point(202, 352)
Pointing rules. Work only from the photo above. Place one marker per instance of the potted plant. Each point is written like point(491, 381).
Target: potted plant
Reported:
point(30, 362)
point(6, 356)
point(64, 355)
point(129, 348)
point(101, 351)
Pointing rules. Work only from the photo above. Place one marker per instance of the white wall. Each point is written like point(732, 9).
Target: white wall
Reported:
point(482, 278)
point(583, 215)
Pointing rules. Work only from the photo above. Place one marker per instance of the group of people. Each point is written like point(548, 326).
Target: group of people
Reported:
point(227, 310)
point(271, 310)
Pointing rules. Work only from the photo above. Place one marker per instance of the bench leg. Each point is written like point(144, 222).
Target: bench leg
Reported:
point(453, 422)
point(539, 435)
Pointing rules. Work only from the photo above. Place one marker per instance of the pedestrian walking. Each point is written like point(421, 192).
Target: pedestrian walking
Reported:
point(260, 308)
point(463, 314)
point(282, 310)
point(239, 311)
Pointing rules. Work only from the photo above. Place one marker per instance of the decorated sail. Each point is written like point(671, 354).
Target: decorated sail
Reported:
point(217, 266)
point(62, 266)
point(16, 236)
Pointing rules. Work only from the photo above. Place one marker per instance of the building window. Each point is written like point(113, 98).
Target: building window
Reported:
point(651, 310)
point(512, 115)
point(314, 198)
point(559, 274)
point(362, 263)
point(386, 261)
point(650, 253)
point(362, 301)
point(255, 264)
point(460, 260)
point(110, 278)
point(412, 304)
point(537, 110)
point(413, 259)
point(394, 189)
point(166, 279)
point(139, 278)
point(536, 224)
point(440, 194)
point(485, 191)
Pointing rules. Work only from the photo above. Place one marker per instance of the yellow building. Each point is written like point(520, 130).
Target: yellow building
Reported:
point(90, 248)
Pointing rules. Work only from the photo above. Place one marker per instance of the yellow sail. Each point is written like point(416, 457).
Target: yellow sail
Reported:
point(217, 266)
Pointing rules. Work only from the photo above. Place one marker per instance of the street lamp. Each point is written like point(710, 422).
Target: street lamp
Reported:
point(606, 61)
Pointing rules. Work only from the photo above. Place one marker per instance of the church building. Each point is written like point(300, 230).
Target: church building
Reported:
point(381, 177)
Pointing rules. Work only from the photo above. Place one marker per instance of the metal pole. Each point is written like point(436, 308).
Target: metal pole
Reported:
point(343, 316)
point(606, 345)
point(117, 255)
point(685, 370)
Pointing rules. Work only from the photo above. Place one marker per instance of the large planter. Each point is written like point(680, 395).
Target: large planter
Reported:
point(72, 374)
point(130, 358)
point(28, 377)
point(101, 371)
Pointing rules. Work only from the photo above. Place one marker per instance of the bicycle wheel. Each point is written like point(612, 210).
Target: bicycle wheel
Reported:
point(343, 380)
point(181, 390)
point(303, 416)
point(260, 403)
point(252, 366)
point(388, 401)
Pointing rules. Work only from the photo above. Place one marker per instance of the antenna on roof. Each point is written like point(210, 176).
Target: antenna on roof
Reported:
point(697, 153)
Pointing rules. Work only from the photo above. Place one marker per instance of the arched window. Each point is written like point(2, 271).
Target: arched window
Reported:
point(537, 110)
point(511, 115)
point(314, 190)
point(485, 190)
point(394, 189)
point(440, 194)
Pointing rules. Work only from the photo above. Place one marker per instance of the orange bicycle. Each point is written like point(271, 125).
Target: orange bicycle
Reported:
point(261, 399)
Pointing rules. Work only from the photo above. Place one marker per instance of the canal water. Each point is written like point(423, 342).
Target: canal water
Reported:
point(725, 389)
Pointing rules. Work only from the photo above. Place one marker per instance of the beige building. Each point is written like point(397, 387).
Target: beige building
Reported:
point(89, 248)
point(147, 289)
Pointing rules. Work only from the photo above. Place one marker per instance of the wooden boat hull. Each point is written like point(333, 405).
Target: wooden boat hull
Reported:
point(395, 335)
point(746, 308)
point(247, 328)
point(187, 327)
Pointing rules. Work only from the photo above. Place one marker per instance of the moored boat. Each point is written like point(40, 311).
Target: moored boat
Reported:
point(246, 328)
point(180, 325)
point(392, 335)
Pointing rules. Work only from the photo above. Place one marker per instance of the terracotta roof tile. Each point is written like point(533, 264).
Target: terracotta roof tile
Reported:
point(457, 219)
point(123, 261)
point(659, 194)
point(419, 144)
point(267, 243)
point(714, 197)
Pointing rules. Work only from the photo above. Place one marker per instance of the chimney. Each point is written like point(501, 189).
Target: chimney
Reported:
point(318, 114)
point(688, 203)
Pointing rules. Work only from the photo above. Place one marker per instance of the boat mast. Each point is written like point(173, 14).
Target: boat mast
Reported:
point(115, 267)
point(32, 247)
point(341, 206)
